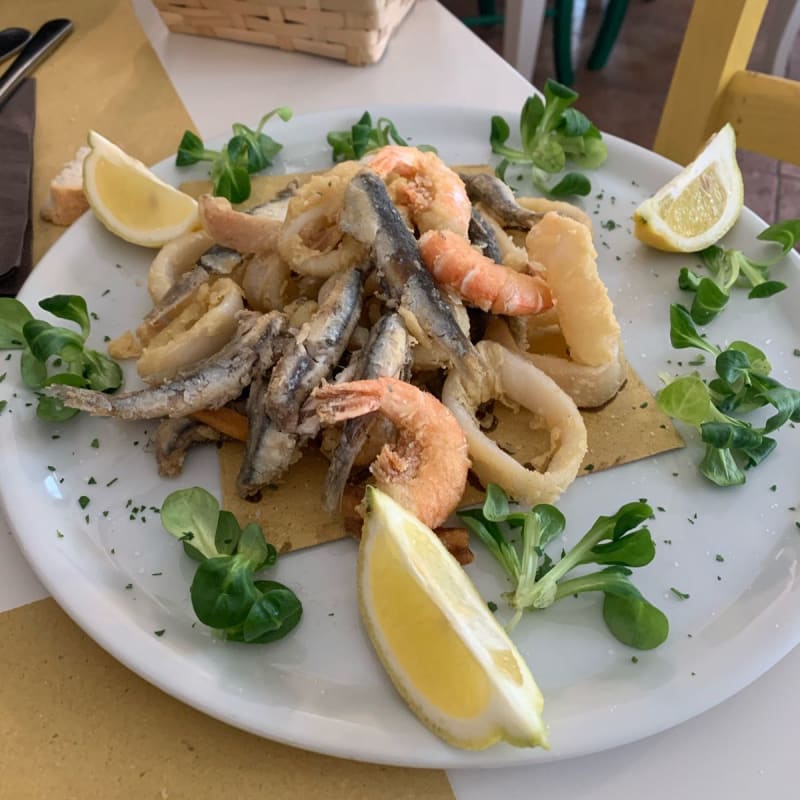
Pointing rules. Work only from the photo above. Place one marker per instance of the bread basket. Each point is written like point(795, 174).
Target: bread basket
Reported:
point(355, 31)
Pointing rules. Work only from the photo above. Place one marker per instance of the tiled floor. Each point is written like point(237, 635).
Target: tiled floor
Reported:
point(626, 97)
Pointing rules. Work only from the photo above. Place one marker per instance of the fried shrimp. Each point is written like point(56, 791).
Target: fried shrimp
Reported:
point(426, 469)
point(420, 183)
point(478, 280)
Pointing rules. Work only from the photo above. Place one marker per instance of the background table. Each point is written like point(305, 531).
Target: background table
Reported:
point(743, 748)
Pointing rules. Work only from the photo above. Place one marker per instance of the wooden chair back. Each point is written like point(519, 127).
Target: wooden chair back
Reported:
point(711, 86)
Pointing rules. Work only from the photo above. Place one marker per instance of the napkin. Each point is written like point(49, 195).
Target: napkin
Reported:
point(17, 118)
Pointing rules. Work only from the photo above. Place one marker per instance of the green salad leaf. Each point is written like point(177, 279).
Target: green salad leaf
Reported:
point(248, 151)
point(517, 540)
point(52, 354)
point(225, 593)
point(363, 136)
point(552, 135)
point(730, 268)
point(743, 384)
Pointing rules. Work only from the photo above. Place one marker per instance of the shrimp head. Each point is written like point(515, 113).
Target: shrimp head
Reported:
point(421, 184)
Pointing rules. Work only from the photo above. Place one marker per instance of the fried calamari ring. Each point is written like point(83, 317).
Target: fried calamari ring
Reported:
point(589, 387)
point(516, 379)
point(199, 331)
point(564, 249)
point(173, 259)
point(310, 240)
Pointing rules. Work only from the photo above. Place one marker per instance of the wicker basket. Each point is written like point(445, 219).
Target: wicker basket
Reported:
point(356, 31)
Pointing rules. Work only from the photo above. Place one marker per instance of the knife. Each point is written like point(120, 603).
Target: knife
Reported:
point(39, 46)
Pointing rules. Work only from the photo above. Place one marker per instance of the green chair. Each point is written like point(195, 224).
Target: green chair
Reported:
point(561, 12)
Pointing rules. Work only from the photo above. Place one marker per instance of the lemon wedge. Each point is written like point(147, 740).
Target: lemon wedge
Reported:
point(444, 651)
point(130, 201)
point(698, 206)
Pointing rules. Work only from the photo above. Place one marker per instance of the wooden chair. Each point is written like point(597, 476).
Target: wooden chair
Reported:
point(711, 86)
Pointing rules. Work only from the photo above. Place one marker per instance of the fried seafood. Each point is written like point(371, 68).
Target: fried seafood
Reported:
point(219, 260)
point(589, 387)
point(565, 251)
point(254, 231)
point(482, 236)
point(216, 260)
point(349, 306)
point(177, 297)
point(173, 259)
point(497, 198)
point(210, 384)
point(316, 349)
point(174, 437)
point(311, 241)
point(204, 326)
point(543, 205)
point(425, 470)
point(386, 354)
point(478, 280)
point(273, 408)
point(519, 381)
point(370, 216)
point(267, 282)
point(423, 186)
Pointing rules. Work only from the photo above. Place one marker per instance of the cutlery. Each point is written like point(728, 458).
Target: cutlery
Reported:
point(12, 41)
point(50, 35)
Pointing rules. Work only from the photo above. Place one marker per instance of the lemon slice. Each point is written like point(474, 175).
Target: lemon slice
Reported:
point(132, 202)
point(444, 651)
point(698, 206)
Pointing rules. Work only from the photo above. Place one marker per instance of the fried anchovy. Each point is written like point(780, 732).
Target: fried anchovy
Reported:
point(482, 235)
point(386, 354)
point(220, 260)
point(273, 410)
point(172, 303)
point(371, 217)
point(210, 384)
point(500, 200)
point(174, 437)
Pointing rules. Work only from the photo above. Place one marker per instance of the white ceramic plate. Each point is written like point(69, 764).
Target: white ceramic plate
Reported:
point(322, 688)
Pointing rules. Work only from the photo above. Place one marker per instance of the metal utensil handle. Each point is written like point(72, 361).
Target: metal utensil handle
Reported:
point(37, 48)
point(12, 40)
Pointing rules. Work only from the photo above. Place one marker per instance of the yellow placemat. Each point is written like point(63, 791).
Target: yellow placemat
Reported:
point(74, 723)
point(105, 76)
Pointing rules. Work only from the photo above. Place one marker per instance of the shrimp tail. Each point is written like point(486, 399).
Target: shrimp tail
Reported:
point(338, 402)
